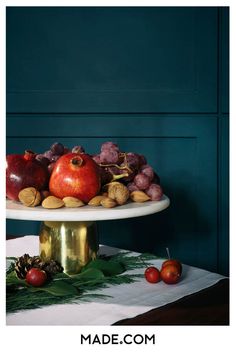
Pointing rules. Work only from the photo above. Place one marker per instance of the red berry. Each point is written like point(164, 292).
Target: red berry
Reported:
point(152, 275)
point(170, 274)
point(173, 262)
point(36, 277)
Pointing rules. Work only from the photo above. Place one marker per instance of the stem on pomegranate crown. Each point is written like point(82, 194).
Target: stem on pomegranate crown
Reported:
point(29, 155)
point(77, 161)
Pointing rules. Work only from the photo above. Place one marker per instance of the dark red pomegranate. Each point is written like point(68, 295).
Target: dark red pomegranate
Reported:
point(24, 171)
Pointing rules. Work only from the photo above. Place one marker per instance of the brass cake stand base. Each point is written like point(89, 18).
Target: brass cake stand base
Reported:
point(72, 243)
point(75, 243)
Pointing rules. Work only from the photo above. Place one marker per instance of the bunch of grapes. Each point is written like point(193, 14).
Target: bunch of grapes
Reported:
point(129, 168)
point(50, 157)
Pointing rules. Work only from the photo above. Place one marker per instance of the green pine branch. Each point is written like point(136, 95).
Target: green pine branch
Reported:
point(96, 275)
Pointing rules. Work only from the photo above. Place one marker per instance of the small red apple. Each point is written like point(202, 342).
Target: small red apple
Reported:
point(173, 262)
point(75, 175)
point(36, 277)
point(170, 274)
point(152, 275)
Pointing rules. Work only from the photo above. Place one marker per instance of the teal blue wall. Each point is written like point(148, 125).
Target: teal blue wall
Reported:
point(154, 80)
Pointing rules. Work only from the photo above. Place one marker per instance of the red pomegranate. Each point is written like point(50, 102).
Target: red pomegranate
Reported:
point(75, 175)
point(24, 171)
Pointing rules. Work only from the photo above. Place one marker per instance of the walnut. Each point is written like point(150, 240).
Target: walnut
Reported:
point(119, 192)
point(30, 197)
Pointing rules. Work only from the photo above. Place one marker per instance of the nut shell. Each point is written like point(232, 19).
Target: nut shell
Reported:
point(108, 203)
point(30, 197)
point(96, 201)
point(139, 197)
point(72, 202)
point(119, 192)
point(52, 202)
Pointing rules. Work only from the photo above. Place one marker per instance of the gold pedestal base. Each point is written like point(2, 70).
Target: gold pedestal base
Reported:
point(72, 244)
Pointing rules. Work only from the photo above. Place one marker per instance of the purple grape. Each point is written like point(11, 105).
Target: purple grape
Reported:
point(51, 167)
point(113, 170)
point(44, 160)
point(78, 149)
point(131, 174)
point(57, 149)
point(121, 159)
point(142, 160)
point(55, 158)
point(132, 187)
point(97, 159)
point(132, 161)
point(105, 175)
point(154, 192)
point(142, 181)
point(109, 145)
point(148, 171)
point(49, 155)
point(109, 156)
point(109, 173)
point(66, 150)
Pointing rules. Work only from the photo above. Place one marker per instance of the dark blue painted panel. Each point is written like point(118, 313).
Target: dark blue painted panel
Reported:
point(136, 59)
point(224, 56)
point(223, 194)
point(96, 125)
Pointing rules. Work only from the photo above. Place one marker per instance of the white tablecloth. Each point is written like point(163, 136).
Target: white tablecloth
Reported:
point(126, 301)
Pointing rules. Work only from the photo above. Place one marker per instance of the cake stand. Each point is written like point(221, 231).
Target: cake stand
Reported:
point(69, 235)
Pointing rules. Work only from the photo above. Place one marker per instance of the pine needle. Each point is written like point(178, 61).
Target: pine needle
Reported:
point(19, 298)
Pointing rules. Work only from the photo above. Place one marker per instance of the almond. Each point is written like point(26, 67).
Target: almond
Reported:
point(139, 196)
point(72, 202)
point(96, 201)
point(108, 203)
point(30, 197)
point(52, 202)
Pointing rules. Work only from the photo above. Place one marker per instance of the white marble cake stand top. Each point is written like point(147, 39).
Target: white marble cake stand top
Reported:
point(15, 210)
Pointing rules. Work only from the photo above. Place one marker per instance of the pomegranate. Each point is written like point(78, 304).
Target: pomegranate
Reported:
point(75, 175)
point(24, 171)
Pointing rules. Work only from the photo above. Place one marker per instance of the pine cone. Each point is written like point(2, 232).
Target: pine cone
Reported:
point(52, 267)
point(25, 263)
